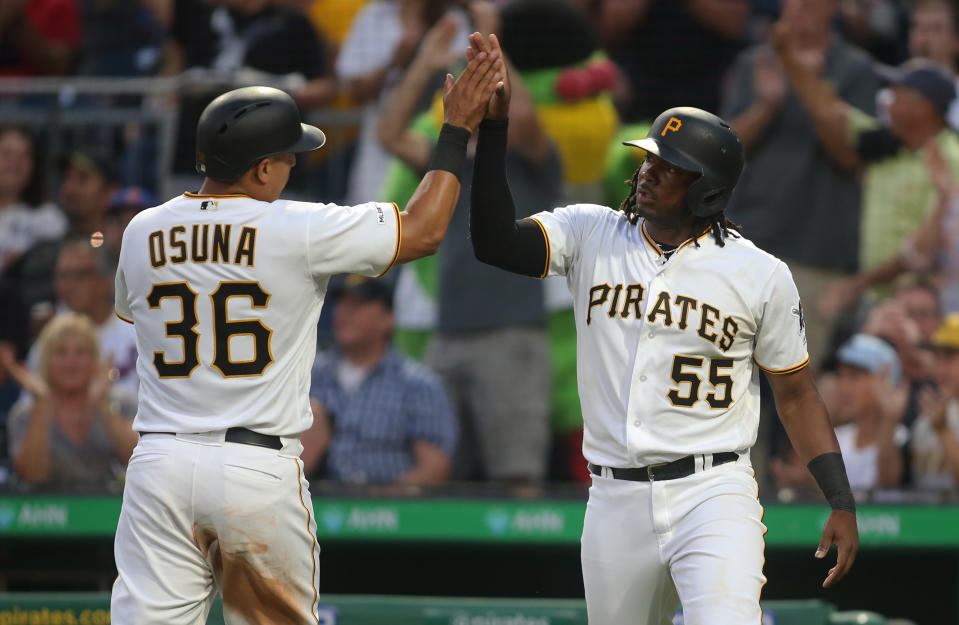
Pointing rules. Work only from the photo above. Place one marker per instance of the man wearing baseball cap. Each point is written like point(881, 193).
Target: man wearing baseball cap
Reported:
point(872, 397)
point(872, 355)
point(379, 417)
point(894, 152)
point(898, 193)
point(925, 78)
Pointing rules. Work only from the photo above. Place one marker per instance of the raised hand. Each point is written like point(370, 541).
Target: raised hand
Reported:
point(106, 374)
point(932, 403)
point(892, 398)
point(769, 80)
point(414, 28)
point(466, 99)
point(889, 320)
point(435, 50)
point(783, 40)
point(33, 384)
point(498, 107)
point(840, 295)
point(485, 16)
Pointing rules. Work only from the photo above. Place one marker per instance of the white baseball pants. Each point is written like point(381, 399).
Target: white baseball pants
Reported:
point(697, 540)
point(202, 516)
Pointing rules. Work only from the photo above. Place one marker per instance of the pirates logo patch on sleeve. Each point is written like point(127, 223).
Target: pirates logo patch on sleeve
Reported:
point(797, 310)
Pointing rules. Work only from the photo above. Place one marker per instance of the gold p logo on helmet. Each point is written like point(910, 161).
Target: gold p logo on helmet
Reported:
point(674, 124)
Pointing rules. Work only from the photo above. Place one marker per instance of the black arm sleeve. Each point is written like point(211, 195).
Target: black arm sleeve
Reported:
point(830, 473)
point(498, 238)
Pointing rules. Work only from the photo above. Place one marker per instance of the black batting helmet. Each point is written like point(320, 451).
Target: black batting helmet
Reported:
point(242, 126)
point(702, 143)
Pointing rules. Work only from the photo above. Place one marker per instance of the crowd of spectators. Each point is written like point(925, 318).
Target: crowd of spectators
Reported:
point(447, 369)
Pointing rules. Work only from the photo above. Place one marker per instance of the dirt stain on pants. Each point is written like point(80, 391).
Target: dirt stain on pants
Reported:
point(248, 592)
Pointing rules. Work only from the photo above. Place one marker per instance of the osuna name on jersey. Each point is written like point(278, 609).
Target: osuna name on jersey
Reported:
point(206, 243)
point(226, 292)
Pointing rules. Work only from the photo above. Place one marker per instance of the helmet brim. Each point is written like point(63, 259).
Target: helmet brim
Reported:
point(311, 139)
point(668, 154)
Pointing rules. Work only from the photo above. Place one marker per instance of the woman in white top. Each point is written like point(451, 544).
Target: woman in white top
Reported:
point(25, 217)
point(871, 393)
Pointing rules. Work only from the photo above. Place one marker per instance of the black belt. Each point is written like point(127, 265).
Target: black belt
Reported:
point(667, 470)
point(244, 436)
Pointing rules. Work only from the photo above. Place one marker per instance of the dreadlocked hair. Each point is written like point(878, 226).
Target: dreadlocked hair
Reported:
point(721, 225)
point(628, 206)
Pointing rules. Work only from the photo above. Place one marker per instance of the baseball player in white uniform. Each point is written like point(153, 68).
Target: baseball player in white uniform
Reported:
point(224, 288)
point(676, 314)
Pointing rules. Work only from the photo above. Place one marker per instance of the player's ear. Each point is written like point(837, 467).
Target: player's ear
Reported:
point(261, 170)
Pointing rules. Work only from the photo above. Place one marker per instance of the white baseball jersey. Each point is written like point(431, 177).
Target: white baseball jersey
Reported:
point(225, 293)
point(668, 349)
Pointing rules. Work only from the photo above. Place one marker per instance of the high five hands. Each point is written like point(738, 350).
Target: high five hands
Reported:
point(498, 105)
point(467, 99)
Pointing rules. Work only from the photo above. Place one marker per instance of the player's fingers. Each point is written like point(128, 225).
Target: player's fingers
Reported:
point(484, 69)
point(484, 73)
point(836, 573)
point(824, 542)
point(449, 83)
point(479, 63)
point(485, 60)
point(486, 84)
point(473, 51)
point(830, 578)
point(494, 66)
point(476, 43)
point(499, 52)
point(846, 552)
point(490, 87)
point(847, 555)
point(500, 60)
point(478, 59)
point(480, 43)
